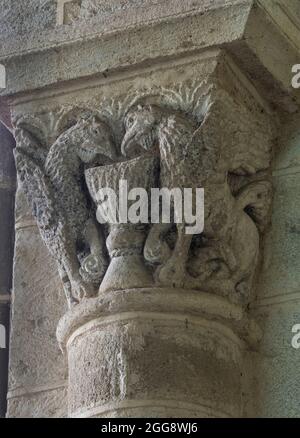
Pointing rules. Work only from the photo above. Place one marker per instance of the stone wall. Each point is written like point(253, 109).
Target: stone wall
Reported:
point(277, 306)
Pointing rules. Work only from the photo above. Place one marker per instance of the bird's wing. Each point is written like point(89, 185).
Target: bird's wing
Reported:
point(30, 158)
point(222, 143)
point(204, 150)
point(30, 137)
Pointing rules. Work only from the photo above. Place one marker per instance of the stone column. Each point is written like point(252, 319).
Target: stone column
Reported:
point(161, 94)
point(155, 353)
point(168, 333)
point(7, 193)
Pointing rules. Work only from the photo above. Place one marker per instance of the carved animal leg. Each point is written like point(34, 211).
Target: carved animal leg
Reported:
point(174, 271)
point(217, 259)
point(71, 301)
point(155, 250)
point(94, 266)
point(222, 287)
point(94, 238)
point(228, 255)
point(80, 288)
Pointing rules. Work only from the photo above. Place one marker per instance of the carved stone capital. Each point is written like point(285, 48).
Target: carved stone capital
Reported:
point(132, 287)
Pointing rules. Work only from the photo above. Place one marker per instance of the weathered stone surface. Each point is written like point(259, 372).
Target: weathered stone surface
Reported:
point(209, 78)
point(201, 104)
point(277, 374)
point(127, 349)
point(281, 269)
point(278, 291)
point(53, 180)
point(8, 171)
point(38, 303)
point(6, 247)
point(4, 321)
point(44, 403)
point(19, 18)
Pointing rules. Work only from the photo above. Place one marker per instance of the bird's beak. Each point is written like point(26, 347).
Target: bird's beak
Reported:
point(105, 149)
point(128, 142)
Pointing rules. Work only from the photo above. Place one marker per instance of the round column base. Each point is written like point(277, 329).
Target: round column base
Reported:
point(155, 353)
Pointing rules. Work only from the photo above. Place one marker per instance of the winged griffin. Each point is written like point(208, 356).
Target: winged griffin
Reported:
point(192, 154)
point(53, 180)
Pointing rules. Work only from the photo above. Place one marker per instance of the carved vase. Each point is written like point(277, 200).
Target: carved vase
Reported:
point(125, 241)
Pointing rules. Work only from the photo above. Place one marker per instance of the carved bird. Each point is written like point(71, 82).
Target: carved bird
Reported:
point(203, 153)
point(186, 162)
point(53, 181)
